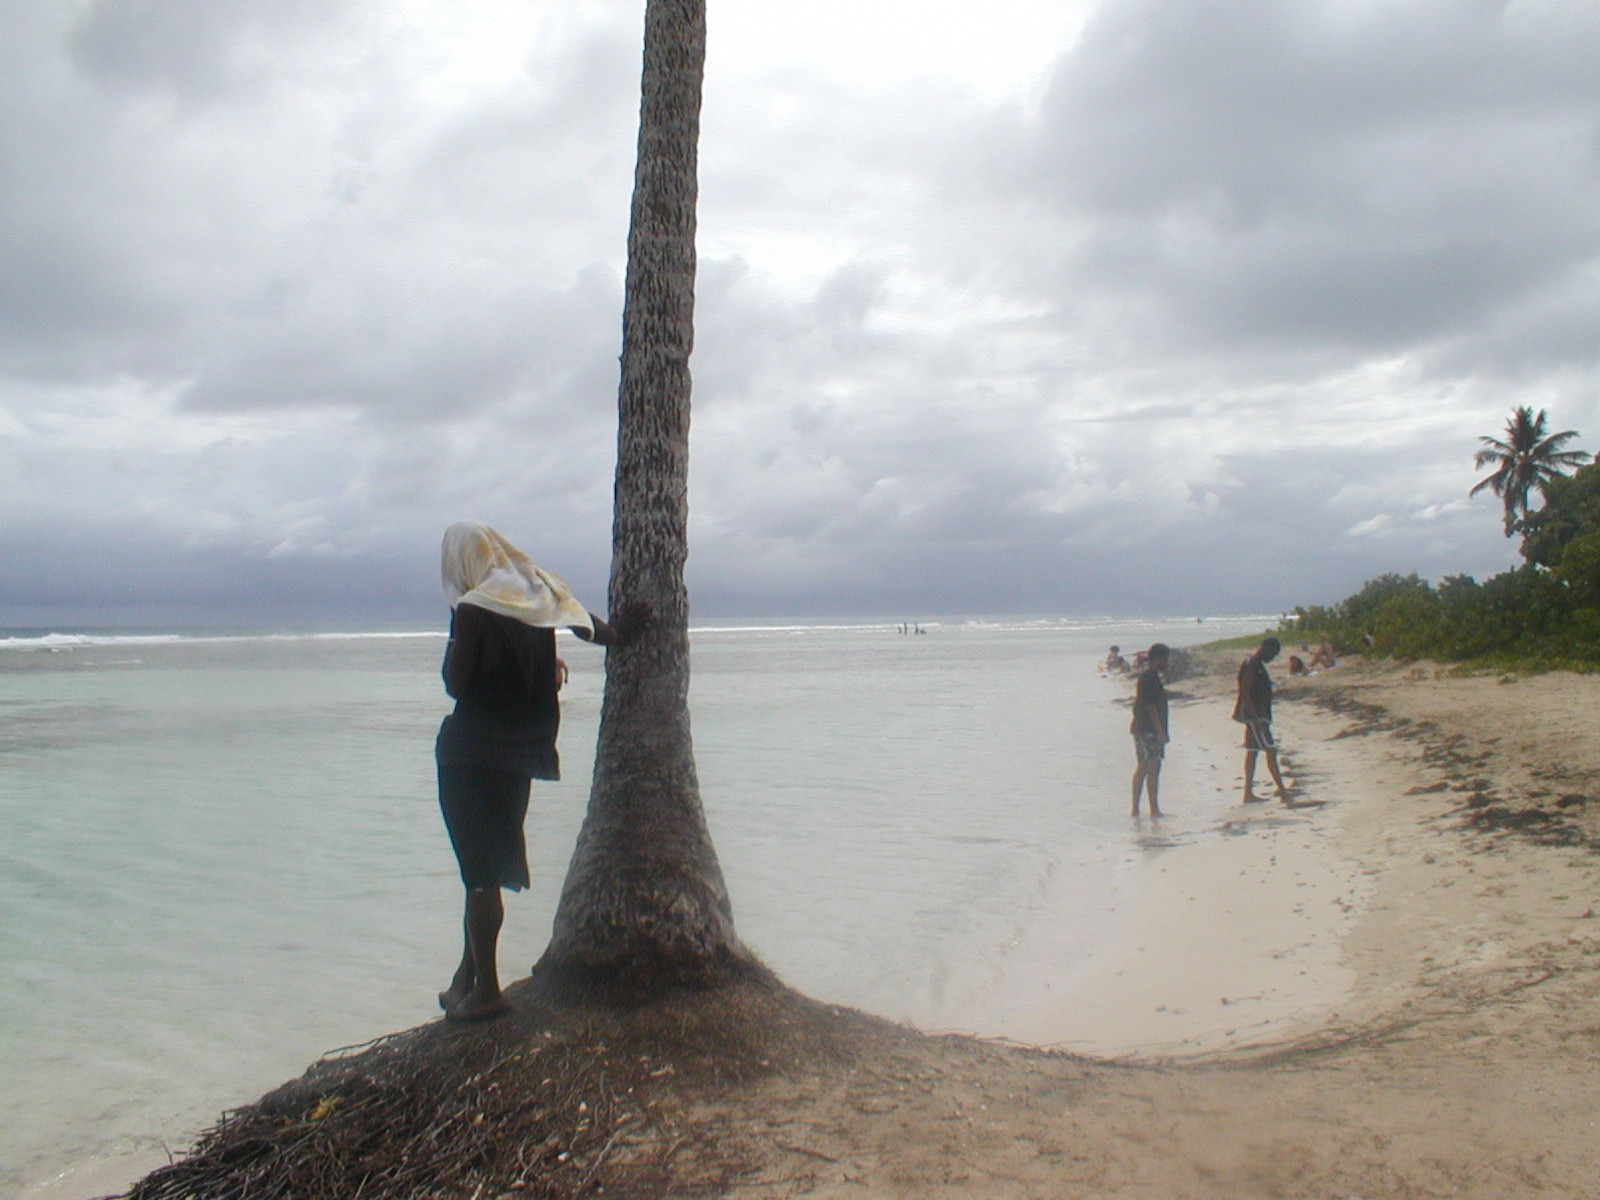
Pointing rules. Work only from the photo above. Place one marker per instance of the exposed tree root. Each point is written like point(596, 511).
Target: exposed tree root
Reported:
point(557, 1100)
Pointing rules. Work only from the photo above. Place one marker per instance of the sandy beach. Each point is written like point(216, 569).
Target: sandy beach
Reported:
point(1389, 991)
point(1392, 994)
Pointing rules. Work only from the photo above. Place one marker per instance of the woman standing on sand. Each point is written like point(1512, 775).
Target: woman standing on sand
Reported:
point(501, 668)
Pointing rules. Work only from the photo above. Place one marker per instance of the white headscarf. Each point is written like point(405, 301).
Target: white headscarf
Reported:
point(478, 566)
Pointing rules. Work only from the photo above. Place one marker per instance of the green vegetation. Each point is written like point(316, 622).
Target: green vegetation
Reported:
point(1543, 614)
point(1248, 642)
point(1525, 617)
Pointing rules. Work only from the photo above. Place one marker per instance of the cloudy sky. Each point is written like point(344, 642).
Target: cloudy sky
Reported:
point(1039, 306)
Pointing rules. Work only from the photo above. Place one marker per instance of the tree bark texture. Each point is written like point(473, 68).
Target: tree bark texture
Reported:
point(644, 901)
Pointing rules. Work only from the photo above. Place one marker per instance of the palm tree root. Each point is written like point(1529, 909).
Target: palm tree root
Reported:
point(557, 1100)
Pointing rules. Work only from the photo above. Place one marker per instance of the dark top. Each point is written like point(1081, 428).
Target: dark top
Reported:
point(502, 674)
point(1255, 692)
point(1149, 704)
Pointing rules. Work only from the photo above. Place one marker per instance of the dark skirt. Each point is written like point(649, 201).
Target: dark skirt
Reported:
point(483, 811)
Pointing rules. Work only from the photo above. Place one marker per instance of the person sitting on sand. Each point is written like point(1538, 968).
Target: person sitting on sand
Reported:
point(1323, 656)
point(500, 666)
point(1149, 728)
point(1115, 661)
point(1297, 665)
point(1253, 708)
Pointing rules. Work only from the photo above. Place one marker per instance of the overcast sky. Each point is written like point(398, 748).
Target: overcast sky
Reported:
point(1133, 306)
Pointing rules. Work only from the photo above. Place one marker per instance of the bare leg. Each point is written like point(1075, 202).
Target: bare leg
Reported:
point(1152, 782)
point(1277, 778)
point(1139, 773)
point(485, 915)
point(461, 983)
point(1250, 777)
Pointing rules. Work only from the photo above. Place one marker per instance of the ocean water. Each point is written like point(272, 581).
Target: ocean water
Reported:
point(221, 857)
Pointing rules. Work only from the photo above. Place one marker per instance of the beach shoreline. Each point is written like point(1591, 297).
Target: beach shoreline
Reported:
point(1236, 932)
point(1409, 972)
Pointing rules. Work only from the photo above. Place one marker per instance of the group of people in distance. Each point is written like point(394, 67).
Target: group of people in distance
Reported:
point(1252, 708)
point(1115, 664)
point(1321, 658)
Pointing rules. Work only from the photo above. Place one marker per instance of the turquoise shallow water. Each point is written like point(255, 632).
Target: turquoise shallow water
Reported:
point(222, 857)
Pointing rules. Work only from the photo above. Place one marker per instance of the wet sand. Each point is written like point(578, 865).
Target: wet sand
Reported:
point(1238, 927)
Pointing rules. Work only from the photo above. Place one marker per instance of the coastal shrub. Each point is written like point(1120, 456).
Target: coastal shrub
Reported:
point(1529, 616)
point(1406, 625)
point(1571, 510)
point(1544, 613)
point(1579, 568)
point(1388, 602)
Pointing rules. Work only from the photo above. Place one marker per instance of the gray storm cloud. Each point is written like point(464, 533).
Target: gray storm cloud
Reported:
point(1208, 318)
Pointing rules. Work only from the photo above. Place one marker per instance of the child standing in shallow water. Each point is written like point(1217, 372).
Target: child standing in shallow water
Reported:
point(1149, 728)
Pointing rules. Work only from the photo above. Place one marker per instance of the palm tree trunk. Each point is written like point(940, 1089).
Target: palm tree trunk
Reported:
point(644, 903)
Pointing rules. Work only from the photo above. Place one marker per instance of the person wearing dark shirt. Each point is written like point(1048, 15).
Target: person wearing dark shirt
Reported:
point(1253, 709)
point(500, 667)
point(1149, 728)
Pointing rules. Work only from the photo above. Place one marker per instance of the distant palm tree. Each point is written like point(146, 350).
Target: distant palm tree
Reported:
point(1526, 459)
point(644, 906)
